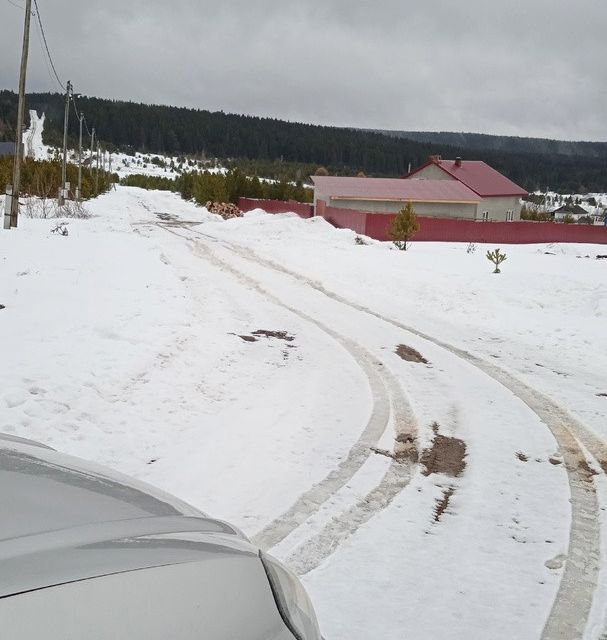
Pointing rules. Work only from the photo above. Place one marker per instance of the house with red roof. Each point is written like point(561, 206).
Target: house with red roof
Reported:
point(465, 189)
point(436, 198)
point(500, 198)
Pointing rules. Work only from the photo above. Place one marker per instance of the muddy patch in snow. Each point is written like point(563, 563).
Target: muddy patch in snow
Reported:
point(409, 354)
point(284, 336)
point(587, 471)
point(278, 335)
point(405, 450)
point(265, 333)
point(446, 455)
point(522, 457)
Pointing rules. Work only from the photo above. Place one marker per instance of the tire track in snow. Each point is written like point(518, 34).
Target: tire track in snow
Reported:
point(571, 609)
point(314, 551)
point(311, 501)
point(388, 400)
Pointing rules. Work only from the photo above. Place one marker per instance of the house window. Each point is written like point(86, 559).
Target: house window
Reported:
point(485, 216)
point(509, 215)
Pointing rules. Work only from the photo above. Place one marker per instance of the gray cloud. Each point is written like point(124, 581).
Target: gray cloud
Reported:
point(521, 68)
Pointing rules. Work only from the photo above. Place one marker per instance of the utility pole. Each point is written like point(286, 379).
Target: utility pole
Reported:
point(66, 121)
point(79, 190)
point(92, 150)
point(14, 209)
point(97, 172)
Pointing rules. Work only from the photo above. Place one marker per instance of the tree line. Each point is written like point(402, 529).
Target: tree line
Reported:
point(222, 187)
point(270, 143)
point(42, 178)
point(509, 144)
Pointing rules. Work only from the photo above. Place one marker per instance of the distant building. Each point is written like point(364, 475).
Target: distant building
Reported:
point(500, 197)
point(7, 149)
point(437, 198)
point(572, 210)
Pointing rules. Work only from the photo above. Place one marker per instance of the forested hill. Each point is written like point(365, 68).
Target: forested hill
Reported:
point(262, 141)
point(509, 144)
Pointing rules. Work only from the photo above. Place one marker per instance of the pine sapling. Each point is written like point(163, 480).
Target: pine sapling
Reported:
point(497, 258)
point(403, 227)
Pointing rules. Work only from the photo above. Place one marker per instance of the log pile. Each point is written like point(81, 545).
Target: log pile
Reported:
point(226, 210)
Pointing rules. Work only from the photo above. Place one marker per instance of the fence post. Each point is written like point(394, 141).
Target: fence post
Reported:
point(8, 201)
point(321, 208)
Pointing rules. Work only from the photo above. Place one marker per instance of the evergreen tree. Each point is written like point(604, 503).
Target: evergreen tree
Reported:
point(497, 258)
point(403, 227)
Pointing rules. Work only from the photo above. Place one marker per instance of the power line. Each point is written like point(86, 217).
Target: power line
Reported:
point(46, 46)
point(49, 59)
point(78, 112)
point(16, 5)
point(46, 63)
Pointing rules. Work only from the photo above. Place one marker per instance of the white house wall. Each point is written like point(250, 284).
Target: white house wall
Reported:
point(498, 208)
point(438, 210)
point(432, 172)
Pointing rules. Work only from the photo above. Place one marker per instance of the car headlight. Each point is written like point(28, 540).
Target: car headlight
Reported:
point(292, 600)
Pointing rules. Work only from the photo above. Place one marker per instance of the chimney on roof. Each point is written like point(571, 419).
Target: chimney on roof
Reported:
point(458, 162)
point(435, 159)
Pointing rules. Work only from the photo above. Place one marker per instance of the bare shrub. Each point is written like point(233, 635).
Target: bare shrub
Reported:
point(73, 209)
point(42, 207)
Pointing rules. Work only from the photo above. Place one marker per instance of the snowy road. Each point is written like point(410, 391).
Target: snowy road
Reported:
point(579, 581)
point(437, 492)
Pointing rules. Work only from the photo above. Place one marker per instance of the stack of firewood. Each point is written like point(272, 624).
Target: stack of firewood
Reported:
point(226, 210)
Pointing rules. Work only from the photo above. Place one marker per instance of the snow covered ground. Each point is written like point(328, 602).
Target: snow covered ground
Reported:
point(158, 165)
point(451, 490)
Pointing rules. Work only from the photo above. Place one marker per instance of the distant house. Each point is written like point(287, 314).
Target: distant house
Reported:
point(7, 149)
point(571, 210)
point(500, 197)
point(437, 198)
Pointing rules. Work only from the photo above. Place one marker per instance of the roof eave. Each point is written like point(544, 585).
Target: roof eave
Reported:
point(420, 200)
point(520, 194)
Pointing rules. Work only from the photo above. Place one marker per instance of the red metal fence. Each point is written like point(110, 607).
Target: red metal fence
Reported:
point(375, 225)
point(444, 230)
point(347, 219)
point(277, 206)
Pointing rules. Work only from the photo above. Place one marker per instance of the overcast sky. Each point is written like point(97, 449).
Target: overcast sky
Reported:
point(514, 67)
